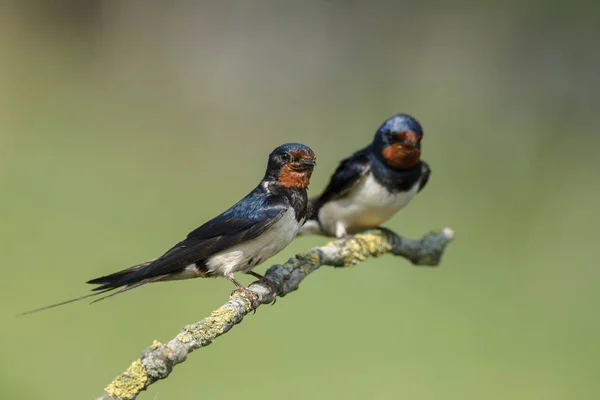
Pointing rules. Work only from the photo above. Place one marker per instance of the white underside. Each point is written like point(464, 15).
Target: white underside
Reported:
point(367, 205)
point(245, 256)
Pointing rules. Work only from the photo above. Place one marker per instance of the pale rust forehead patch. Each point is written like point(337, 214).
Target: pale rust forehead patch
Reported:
point(407, 135)
point(299, 154)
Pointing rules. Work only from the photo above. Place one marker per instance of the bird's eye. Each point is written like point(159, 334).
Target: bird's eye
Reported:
point(286, 157)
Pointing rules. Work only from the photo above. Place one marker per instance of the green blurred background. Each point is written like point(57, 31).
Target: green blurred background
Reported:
point(124, 125)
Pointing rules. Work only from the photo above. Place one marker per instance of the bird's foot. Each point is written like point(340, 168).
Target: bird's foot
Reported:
point(245, 292)
point(387, 231)
point(248, 295)
point(392, 236)
point(273, 287)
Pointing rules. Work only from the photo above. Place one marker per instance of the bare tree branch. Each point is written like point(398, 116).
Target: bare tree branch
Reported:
point(158, 360)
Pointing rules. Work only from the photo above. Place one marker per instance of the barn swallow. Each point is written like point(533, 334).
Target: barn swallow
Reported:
point(254, 229)
point(370, 186)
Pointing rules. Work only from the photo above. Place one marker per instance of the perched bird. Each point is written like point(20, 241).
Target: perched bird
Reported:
point(370, 186)
point(254, 229)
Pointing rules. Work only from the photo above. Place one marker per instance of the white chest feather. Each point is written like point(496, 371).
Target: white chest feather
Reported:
point(245, 256)
point(367, 205)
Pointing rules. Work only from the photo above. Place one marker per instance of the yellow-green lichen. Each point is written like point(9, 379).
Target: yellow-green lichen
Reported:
point(205, 331)
point(376, 244)
point(356, 249)
point(185, 337)
point(130, 383)
point(155, 344)
point(224, 314)
point(307, 261)
point(230, 314)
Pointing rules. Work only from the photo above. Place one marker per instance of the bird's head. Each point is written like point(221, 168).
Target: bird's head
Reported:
point(398, 141)
point(291, 165)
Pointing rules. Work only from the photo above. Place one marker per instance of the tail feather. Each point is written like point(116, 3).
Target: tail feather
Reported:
point(129, 278)
point(63, 303)
point(128, 287)
point(117, 279)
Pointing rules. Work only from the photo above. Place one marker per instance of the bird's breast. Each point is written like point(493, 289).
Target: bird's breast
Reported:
point(245, 256)
point(367, 205)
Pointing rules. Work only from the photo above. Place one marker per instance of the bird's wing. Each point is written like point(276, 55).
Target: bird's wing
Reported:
point(244, 221)
point(347, 174)
point(425, 173)
point(241, 223)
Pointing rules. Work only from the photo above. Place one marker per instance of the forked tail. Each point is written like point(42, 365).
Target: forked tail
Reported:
point(126, 279)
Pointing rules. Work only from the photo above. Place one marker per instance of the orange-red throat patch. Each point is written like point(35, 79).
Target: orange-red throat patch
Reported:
point(297, 174)
point(294, 178)
point(403, 152)
point(401, 156)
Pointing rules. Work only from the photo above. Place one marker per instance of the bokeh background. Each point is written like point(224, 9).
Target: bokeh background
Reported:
point(124, 125)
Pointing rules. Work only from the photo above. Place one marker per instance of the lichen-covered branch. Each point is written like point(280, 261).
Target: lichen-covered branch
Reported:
point(158, 360)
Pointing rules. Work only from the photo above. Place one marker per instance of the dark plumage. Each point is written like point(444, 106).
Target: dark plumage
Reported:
point(370, 186)
point(257, 227)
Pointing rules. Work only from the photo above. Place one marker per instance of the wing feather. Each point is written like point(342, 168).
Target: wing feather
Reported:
point(244, 221)
point(347, 174)
point(426, 173)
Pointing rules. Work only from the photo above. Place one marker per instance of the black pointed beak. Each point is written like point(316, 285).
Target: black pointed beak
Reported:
point(308, 161)
point(304, 164)
point(407, 143)
point(399, 141)
point(406, 138)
